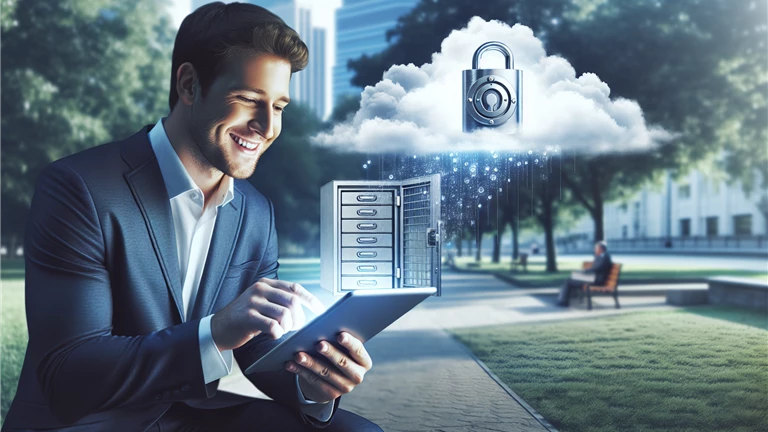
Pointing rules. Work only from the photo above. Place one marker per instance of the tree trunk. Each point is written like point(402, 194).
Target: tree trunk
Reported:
point(597, 202)
point(496, 247)
point(469, 245)
point(549, 235)
point(515, 242)
point(597, 216)
point(479, 246)
point(459, 243)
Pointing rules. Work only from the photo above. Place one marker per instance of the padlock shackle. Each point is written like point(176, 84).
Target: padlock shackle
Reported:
point(509, 59)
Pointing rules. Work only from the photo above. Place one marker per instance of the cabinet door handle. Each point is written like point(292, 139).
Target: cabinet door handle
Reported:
point(366, 282)
point(367, 198)
point(366, 240)
point(367, 226)
point(367, 212)
point(367, 268)
point(367, 254)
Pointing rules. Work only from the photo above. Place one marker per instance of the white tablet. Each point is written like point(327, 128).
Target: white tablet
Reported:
point(361, 313)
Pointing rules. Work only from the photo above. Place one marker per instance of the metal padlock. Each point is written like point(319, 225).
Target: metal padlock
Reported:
point(492, 97)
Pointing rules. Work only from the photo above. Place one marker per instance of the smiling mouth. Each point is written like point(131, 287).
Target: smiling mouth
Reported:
point(250, 145)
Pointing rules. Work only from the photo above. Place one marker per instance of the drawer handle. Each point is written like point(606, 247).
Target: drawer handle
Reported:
point(367, 268)
point(367, 254)
point(366, 240)
point(367, 212)
point(366, 282)
point(367, 226)
point(367, 198)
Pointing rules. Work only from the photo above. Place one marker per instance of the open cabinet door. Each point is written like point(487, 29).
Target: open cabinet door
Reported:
point(421, 242)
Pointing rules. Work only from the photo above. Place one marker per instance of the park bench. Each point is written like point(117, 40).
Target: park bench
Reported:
point(611, 284)
point(522, 260)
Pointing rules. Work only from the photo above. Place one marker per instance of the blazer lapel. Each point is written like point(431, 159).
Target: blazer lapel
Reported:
point(225, 234)
point(146, 184)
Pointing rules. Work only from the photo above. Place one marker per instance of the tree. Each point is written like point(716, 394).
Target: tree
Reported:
point(515, 212)
point(419, 33)
point(75, 74)
point(698, 68)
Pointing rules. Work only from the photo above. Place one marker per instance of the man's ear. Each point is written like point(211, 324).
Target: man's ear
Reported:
point(187, 83)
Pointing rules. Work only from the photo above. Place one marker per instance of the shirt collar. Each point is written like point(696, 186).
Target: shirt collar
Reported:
point(175, 175)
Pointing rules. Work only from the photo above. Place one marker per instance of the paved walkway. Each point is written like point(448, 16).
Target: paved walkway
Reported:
point(424, 380)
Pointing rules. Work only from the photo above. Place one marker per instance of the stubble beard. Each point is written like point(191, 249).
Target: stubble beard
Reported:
point(212, 154)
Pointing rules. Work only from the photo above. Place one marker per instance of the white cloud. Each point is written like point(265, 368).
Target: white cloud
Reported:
point(418, 109)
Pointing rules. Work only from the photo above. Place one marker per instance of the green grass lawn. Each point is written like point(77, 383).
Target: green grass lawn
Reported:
point(537, 277)
point(697, 369)
point(13, 331)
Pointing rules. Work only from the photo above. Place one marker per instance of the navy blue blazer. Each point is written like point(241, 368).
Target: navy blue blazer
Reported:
point(107, 347)
point(601, 267)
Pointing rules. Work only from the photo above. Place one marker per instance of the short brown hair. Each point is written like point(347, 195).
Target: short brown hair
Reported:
point(216, 32)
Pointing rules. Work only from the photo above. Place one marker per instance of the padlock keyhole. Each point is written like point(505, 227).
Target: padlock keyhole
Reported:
point(491, 100)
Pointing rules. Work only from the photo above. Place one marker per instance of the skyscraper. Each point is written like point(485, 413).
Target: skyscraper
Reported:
point(361, 27)
point(307, 86)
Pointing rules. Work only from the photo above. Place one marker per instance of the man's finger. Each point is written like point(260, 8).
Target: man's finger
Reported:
point(356, 350)
point(305, 296)
point(325, 371)
point(288, 300)
point(353, 371)
point(265, 325)
point(278, 313)
point(328, 391)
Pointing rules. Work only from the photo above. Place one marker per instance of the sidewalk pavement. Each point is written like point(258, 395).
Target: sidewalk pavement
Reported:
point(424, 380)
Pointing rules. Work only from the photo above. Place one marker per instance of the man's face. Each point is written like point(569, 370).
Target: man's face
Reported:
point(598, 250)
point(241, 113)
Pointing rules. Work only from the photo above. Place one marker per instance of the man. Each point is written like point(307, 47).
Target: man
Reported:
point(151, 262)
point(596, 274)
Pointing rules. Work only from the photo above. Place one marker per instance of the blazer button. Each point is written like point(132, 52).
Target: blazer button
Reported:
point(185, 387)
point(157, 396)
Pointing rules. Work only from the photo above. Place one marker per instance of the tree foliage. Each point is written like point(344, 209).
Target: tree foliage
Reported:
point(696, 67)
point(699, 68)
point(75, 74)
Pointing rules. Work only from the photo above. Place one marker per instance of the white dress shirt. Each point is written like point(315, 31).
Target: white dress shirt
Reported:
point(193, 225)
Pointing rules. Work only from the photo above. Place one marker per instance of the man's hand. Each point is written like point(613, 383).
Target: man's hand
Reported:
point(269, 306)
point(325, 379)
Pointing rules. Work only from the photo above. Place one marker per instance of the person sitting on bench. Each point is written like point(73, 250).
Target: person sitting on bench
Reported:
point(594, 275)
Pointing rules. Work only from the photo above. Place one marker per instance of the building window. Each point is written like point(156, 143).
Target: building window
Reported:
point(623, 231)
point(684, 191)
point(712, 226)
point(685, 227)
point(742, 225)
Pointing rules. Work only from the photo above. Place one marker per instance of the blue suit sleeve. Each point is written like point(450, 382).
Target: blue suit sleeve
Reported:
point(280, 386)
point(81, 366)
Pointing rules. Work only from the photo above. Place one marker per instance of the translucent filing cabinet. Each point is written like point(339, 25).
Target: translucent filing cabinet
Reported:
point(378, 234)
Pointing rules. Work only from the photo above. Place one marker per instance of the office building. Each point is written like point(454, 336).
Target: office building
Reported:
point(361, 27)
point(698, 210)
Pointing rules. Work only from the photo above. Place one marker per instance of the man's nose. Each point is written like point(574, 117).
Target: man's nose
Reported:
point(262, 123)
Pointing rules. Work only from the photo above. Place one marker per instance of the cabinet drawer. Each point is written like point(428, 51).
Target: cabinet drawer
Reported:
point(366, 212)
point(367, 198)
point(357, 240)
point(352, 283)
point(363, 254)
point(366, 268)
point(374, 226)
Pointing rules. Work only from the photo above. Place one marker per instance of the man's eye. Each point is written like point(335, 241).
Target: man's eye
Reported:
point(279, 108)
point(245, 99)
